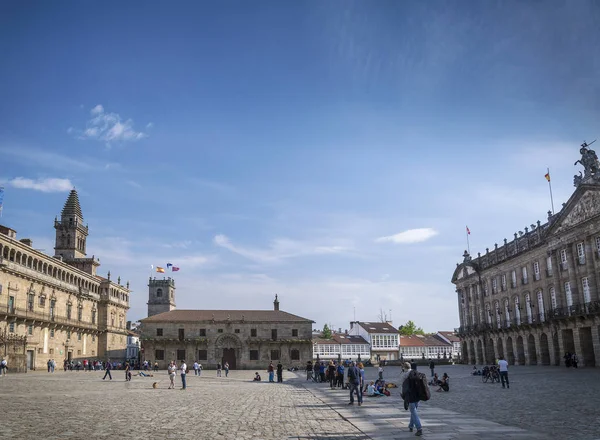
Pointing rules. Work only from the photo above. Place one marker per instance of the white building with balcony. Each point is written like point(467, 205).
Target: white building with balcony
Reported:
point(341, 346)
point(382, 337)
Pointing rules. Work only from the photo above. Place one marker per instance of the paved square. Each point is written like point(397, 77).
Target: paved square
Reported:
point(541, 402)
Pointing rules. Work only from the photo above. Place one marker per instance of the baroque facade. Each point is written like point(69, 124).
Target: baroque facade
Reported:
point(246, 339)
point(537, 297)
point(62, 308)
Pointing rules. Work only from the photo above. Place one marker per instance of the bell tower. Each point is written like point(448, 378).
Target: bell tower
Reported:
point(161, 296)
point(71, 233)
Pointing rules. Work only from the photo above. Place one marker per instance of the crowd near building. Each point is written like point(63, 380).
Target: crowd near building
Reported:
point(57, 307)
point(535, 299)
point(245, 339)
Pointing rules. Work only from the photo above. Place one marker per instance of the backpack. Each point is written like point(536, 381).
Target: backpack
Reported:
point(420, 382)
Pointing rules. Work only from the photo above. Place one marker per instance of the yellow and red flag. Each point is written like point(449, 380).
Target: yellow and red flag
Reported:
point(160, 269)
point(547, 176)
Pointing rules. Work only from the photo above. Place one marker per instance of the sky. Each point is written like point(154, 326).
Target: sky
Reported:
point(330, 152)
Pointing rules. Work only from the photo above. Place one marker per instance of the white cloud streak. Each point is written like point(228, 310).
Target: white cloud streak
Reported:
point(409, 236)
point(108, 127)
point(44, 185)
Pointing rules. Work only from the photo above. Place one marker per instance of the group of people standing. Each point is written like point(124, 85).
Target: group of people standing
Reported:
point(571, 360)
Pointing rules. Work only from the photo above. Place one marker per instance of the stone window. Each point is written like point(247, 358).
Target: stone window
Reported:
point(536, 270)
point(159, 355)
point(274, 355)
point(30, 329)
point(51, 351)
point(524, 270)
point(202, 355)
point(237, 330)
point(503, 281)
point(42, 301)
point(563, 258)
point(581, 252)
point(39, 350)
point(158, 292)
point(202, 332)
point(295, 332)
point(93, 316)
point(586, 290)
point(93, 352)
point(295, 355)
point(0, 289)
point(79, 352)
point(51, 332)
point(220, 330)
point(553, 298)
point(597, 250)
point(68, 334)
point(513, 276)
point(568, 294)
point(181, 354)
point(69, 308)
point(253, 332)
point(11, 327)
point(274, 335)
point(79, 336)
point(30, 302)
point(181, 335)
point(159, 332)
point(253, 355)
point(93, 339)
point(80, 313)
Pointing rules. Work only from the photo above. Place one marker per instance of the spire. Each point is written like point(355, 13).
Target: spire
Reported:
point(72, 206)
point(276, 303)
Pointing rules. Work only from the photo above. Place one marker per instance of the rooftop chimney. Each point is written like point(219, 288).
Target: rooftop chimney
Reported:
point(26, 241)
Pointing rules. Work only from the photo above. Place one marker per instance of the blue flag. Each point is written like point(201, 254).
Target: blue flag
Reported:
point(169, 265)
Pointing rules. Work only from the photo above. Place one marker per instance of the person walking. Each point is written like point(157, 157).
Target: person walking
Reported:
point(226, 366)
point(127, 372)
point(279, 372)
point(354, 384)
point(432, 367)
point(309, 370)
point(380, 372)
point(196, 368)
point(218, 369)
point(108, 368)
point(199, 369)
point(331, 374)
point(183, 372)
point(410, 393)
point(503, 365)
point(3, 367)
point(172, 371)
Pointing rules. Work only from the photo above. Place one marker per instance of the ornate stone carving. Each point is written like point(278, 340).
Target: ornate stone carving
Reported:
point(591, 166)
point(587, 207)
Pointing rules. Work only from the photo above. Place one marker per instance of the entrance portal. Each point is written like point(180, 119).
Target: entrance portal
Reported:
point(229, 357)
point(587, 345)
point(531, 350)
point(69, 356)
point(544, 349)
point(509, 351)
point(520, 351)
point(30, 365)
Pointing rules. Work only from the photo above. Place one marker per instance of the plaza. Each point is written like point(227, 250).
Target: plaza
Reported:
point(541, 402)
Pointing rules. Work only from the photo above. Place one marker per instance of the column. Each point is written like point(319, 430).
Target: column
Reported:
point(538, 349)
point(578, 347)
point(596, 340)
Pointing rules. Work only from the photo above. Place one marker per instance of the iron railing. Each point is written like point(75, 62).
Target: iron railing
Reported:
point(23, 313)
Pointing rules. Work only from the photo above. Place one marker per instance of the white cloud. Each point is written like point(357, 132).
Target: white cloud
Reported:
point(109, 127)
point(44, 185)
point(279, 249)
point(149, 125)
point(409, 236)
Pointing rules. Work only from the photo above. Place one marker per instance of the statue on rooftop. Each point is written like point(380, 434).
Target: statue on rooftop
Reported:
point(591, 165)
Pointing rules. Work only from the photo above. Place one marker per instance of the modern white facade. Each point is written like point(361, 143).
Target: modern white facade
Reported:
point(381, 336)
point(341, 346)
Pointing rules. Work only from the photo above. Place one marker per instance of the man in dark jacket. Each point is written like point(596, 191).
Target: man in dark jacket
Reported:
point(410, 393)
point(354, 384)
point(432, 367)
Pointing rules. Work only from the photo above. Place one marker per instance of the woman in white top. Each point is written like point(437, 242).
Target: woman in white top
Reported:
point(172, 368)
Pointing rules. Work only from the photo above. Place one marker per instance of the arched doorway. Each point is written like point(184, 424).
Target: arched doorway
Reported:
point(531, 350)
point(490, 355)
point(500, 348)
point(479, 352)
point(472, 356)
point(520, 351)
point(556, 349)
point(544, 349)
point(228, 349)
point(510, 354)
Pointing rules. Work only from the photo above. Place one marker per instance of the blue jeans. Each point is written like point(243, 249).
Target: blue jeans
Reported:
point(183, 381)
point(355, 387)
point(271, 376)
point(414, 417)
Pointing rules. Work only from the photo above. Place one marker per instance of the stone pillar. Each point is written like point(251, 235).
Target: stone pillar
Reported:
point(578, 347)
point(538, 350)
point(552, 348)
point(561, 346)
point(596, 340)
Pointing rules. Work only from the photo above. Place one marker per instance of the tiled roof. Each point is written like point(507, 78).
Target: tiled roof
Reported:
point(411, 341)
point(226, 315)
point(349, 339)
point(451, 336)
point(72, 206)
point(378, 327)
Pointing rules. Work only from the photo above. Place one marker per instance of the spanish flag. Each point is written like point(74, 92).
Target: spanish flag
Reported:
point(547, 176)
point(160, 269)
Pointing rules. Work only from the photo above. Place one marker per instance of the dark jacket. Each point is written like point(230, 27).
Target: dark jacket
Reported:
point(353, 375)
point(409, 387)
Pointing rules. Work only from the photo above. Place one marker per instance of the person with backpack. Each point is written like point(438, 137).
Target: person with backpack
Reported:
point(354, 383)
point(414, 390)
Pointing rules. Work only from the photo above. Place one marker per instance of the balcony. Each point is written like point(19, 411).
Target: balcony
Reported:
point(28, 315)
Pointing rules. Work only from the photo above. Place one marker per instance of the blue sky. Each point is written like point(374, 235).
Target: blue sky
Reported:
point(270, 147)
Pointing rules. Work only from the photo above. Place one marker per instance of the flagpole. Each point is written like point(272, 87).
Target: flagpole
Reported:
point(550, 186)
point(468, 246)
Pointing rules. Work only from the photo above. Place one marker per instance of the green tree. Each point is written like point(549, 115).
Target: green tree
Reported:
point(326, 332)
point(410, 328)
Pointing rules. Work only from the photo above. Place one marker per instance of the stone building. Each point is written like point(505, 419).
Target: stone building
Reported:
point(381, 336)
point(536, 297)
point(246, 339)
point(59, 304)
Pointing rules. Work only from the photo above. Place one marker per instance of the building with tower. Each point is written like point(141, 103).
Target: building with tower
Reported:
point(58, 305)
point(246, 339)
point(536, 298)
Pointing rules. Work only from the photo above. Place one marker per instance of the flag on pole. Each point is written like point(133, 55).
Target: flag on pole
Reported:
point(169, 265)
point(547, 176)
point(160, 269)
point(468, 231)
point(174, 269)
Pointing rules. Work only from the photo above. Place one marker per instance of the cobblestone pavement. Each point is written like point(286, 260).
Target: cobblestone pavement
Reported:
point(540, 402)
point(549, 400)
point(71, 405)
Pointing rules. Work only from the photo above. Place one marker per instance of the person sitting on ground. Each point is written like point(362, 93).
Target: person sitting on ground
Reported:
point(444, 385)
point(372, 391)
point(486, 370)
point(256, 377)
point(435, 380)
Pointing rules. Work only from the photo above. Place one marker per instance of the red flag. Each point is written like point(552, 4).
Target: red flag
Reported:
point(468, 231)
point(174, 269)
